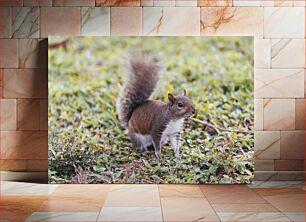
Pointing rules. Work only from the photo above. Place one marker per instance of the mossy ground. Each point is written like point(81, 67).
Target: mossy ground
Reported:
point(87, 143)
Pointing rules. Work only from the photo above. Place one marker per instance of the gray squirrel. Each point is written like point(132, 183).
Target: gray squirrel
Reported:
point(151, 122)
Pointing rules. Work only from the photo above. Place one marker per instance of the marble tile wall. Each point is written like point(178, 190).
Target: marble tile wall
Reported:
point(278, 27)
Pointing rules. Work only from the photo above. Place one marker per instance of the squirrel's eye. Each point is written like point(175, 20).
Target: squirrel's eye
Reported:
point(180, 105)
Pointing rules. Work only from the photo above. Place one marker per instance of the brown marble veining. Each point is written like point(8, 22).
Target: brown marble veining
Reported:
point(18, 208)
point(159, 21)
point(215, 3)
point(213, 18)
point(28, 114)
point(267, 145)
point(24, 144)
point(232, 21)
point(25, 83)
point(117, 2)
point(25, 22)
point(32, 53)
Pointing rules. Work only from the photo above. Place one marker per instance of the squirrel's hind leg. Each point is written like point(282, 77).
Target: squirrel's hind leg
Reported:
point(139, 142)
point(157, 145)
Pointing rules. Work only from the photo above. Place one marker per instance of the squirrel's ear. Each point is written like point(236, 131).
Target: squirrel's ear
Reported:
point(171, 98)
point(185, 92)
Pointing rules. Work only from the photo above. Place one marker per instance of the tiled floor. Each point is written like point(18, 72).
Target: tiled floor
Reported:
point(267, 201)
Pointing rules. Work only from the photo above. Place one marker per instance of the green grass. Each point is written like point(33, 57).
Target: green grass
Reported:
point(87, 143)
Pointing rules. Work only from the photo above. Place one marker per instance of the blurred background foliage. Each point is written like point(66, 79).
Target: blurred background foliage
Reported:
point(87, 143)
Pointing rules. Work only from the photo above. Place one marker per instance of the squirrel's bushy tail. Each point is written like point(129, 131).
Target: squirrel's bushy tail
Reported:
point(140, 84)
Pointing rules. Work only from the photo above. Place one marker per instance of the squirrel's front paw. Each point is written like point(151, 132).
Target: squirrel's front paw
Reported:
point(157, 154)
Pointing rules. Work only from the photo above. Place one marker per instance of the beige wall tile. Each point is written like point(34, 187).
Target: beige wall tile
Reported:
point(5, 22)
point(258, 114)
point(264, 165)
point(43, 114)
point(262, 53)
point(8, 114)
point(37, 2)
point(289, 165)
point(266, 3)
point(215, 3)
point(8, 53)
point(73, 2)
point(232, 21)
point(292, 144)
point(283, 3)
point(300, 114)
point(305, 82)
point(117, 3)
point(246, 3)
point(284, 22)
point(279, 114)
point(279, 83)
point(28, 114)
point(95, 21)
point(1, 83)
point(25, 22)
point(13, 165)
point(160, 21)
point(33, 53)
point(186, 3)
point(4, 3)
point(24, 145)
point(25, 83)
point(285, 49)
point(299, 3)
point(51, 17)
point(146, 2)
point(267, 144)
point(37, 165)
point(126, 21)
point(163, 3)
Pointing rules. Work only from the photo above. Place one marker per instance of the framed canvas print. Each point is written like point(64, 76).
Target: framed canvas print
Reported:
point(151, 110)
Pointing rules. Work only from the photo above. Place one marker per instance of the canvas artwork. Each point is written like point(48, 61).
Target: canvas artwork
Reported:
point(151, 110)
